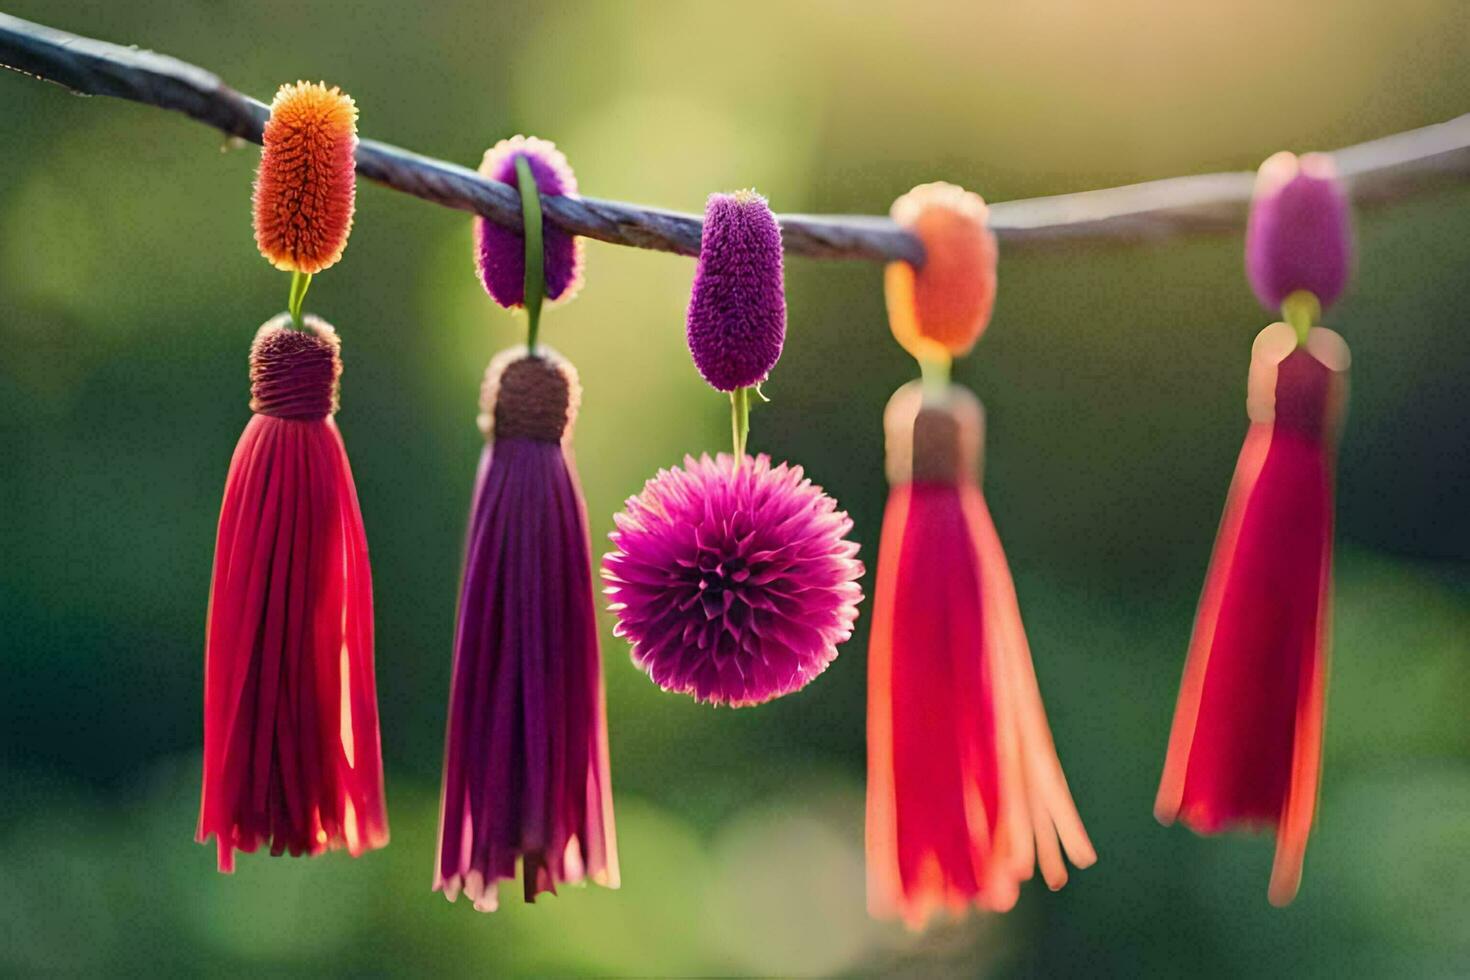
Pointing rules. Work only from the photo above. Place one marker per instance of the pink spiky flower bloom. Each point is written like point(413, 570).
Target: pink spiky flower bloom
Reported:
point(735, 583)
point(1246, 746)
point(526, 773)
point(291, 748)
point(965, 792)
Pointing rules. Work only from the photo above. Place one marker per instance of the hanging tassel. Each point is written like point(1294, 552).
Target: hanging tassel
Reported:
point(965, 792)
point(291, 753)
point(526, 774)
point(1246, 746)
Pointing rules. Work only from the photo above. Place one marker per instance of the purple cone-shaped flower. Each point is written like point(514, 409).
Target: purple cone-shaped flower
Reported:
point(526, 776)
point(500, 254)
point(1300, 234)
point(737, 309)
point(735, 584)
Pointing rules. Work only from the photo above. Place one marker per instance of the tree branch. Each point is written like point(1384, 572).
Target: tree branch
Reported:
point(1383, 170)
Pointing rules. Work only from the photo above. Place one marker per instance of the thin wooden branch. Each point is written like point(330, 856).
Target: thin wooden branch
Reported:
point(1383, 170)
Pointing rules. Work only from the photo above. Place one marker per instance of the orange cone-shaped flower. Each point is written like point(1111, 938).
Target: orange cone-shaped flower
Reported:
point(305, 188)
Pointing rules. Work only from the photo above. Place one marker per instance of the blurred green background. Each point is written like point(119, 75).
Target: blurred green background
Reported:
point(1114, 377)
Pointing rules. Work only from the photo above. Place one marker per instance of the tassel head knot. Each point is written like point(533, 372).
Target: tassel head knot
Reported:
point(527, 396)
point(294, 374)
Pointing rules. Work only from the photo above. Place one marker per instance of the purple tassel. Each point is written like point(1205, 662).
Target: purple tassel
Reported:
point(526, 775)
point(500, 253)
point(737, 310)
point(1300, 234)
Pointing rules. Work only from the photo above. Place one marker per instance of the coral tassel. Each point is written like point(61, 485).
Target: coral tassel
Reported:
point(965, 793)
point(1054, 815)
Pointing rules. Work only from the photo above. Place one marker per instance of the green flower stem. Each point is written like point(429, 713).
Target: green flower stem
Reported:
point(300, 282)
point(1301, 310)
point(934, 369)
point(740, 421)
point(535, 282)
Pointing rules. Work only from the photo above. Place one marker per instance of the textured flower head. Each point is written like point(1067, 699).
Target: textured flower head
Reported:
point(307, 182)
point(500, 254)
point(735, 584)
point(946, 303)
point(1300, 234)
point(737, 310)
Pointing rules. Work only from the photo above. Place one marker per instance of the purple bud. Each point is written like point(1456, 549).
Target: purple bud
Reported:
point(1300, 233)
point(500, 253)
point(737, 309)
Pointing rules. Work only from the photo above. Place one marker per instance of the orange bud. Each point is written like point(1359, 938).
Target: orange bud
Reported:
point(307, 181)
point(946, 303)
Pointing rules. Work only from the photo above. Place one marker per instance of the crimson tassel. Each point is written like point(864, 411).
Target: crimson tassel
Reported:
point(291, 753)
point(1246, 746)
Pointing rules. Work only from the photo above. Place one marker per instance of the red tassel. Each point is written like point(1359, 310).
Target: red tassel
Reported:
point(1246, 745)
point(965, 793)
point(291, 749)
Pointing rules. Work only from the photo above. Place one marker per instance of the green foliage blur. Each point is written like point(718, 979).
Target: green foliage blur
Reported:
point(1114, 377)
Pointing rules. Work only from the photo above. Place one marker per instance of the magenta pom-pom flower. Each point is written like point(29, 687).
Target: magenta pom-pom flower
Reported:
point(500, 254)
point(1299, 236)
point(737, 310)
point(734, 583)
